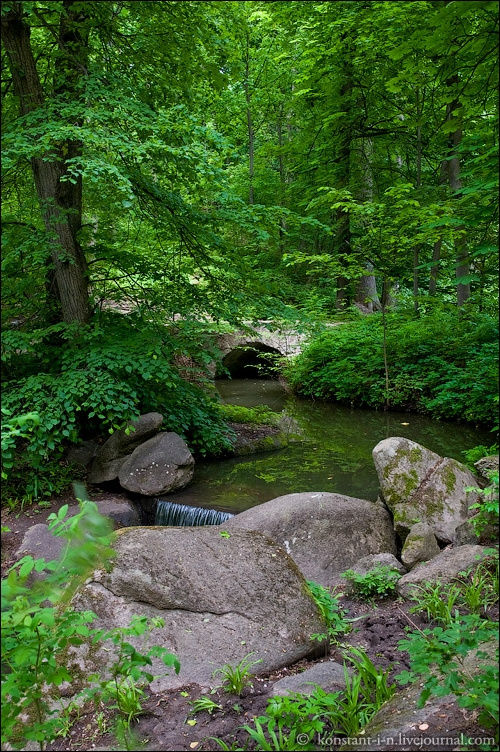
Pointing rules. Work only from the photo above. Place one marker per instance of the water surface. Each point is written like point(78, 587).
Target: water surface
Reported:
point(333, 452)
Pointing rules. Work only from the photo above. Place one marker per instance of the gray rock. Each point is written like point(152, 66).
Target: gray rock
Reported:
point(442, 568)
point(420, 545)
point(367, 563)
point(395, 725)
point(486, 465)
point(101, 472)
point(39, 543)
point(121, 512)
point(83, 454)
point(221, 598)
point(253, 439)
point(328, 675)
point(110, 456)
point(466, 533)
point(159, 465)
point(325, 533)
point(420, 486)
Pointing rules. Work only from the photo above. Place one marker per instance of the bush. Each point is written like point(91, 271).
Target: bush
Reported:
point(439, 364)
point(38, 626)
point(437, 658)
point(379, 582)
point(81, 382)
point(331, 612)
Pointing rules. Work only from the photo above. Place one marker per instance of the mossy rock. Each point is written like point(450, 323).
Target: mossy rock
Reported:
point(420, 486)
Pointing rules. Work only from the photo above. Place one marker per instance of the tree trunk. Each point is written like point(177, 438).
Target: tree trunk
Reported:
point(60, 202)
point(453, 163)
point(366, 291)
point(436, 256)
point(250, 129)
point(282, 223)
point(418, 183)
point(343, 171)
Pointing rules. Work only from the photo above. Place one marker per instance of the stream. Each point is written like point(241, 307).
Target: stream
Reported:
point(332, 453)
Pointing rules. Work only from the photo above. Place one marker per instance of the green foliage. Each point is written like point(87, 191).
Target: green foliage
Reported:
point(473, 591)
point(331, 612)
point(236, 678)
point(436, 600)
point(204, 704)
point(39, 626)
point(259, 415)
point(379, 582)
point(426, 359)
point(84, 382)
point(479, 587)
point(439, 656)
point(297, 716)
point(488, 514)
point(477, 453)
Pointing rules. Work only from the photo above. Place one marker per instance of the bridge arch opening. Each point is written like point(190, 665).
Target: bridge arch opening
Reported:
point(251, 360)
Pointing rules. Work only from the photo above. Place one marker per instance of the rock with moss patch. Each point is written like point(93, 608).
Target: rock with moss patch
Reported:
point(251, 438)
point(420, 486)
point(444, 567)
point(420, 545)
point(325, 533)
point(221, 597)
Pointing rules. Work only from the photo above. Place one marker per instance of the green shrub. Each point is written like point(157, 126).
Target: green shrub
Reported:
point(297, 716)
point(38, 626)
point(437, 659)
point(379, 582)
point(438, 364)
point(437, 601)
point(89, 381)
point(487, 506)
point(331, 612)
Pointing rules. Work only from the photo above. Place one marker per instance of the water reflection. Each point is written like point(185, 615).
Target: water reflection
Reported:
point(333, 452)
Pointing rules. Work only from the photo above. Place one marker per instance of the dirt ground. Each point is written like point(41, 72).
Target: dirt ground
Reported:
point(168, 722)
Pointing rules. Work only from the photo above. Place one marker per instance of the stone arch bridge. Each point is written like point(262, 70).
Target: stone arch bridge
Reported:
point(252, 353)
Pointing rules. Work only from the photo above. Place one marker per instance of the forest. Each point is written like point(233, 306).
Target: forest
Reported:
point(176, 171)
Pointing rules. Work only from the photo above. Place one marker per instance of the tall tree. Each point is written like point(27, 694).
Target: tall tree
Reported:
point(59, 193)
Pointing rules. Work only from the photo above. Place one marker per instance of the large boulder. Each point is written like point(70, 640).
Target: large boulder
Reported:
point(221, 598)
point(420, 486)
point(325, 533)
point(40, 543)
point(420, 545)
point(159, 465)
point(110, 456)
point(442, 568)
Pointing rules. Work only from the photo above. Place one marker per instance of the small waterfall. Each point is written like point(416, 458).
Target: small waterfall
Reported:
point(170, 513)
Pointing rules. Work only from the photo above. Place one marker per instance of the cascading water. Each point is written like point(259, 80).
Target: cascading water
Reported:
point(169, 513)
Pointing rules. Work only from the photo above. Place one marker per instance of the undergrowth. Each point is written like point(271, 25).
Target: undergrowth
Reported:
point(437, 364)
